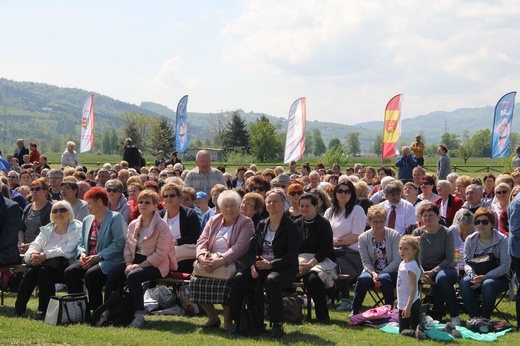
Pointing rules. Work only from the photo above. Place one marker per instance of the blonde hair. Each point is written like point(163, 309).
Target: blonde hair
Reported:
point(414, 243)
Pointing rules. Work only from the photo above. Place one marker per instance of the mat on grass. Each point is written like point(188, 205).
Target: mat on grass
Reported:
point(437, 334)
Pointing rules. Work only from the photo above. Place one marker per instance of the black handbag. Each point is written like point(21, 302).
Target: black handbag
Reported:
point(249, 324)
point(483, 264)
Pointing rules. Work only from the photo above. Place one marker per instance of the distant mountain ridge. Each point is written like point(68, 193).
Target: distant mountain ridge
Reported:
point(39, 110)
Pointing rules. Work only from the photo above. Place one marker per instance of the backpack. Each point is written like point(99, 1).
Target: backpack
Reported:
point(120, 309)
point(292, 309)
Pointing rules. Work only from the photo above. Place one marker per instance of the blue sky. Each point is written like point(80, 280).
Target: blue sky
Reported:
point(347, 57)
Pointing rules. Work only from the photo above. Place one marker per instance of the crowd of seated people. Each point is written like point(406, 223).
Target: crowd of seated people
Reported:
point(119, 224)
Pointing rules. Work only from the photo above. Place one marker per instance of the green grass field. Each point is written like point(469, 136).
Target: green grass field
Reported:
point(180, 330)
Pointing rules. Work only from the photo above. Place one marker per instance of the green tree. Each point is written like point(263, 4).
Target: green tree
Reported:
point(196, 144)
point(450, 140)
point(217, 124)
point(334, 142)
point(466, 148)
point(162, 137)
point(236, 135)
point(319, 144)
point(336, 154)
point(265, 143)
point(309, 143)
point(482, 143)
point(139, 127)
point(109, 141)
point(377, 147)
point(515, 140)
point(353, 144)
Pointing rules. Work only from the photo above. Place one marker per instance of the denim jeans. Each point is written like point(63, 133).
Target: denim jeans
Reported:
point(443, 289)
point(489, 290)
point(365, 282)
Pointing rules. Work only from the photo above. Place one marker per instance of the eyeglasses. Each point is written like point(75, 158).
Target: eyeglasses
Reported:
point(11, 177)
point(341, 191)
point(163, 176)
point(171, 195)
point(425, 183)
point(186, 199)
point(145, 202)
point(37, 188)
point(55, 178)
point(258, 188)
point(59, 210)
point(282, 186)
point(501, 192)
point(294, 193)
point(112, 190)
point(65, 187)
point(248, 205)
point(485, 222)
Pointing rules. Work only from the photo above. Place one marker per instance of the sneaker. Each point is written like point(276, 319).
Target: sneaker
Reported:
point(346, 304)
point(277, 331)
point(455, 320)
point(136, 323)
point(419, 334)
point(450, 328)
point(102, 320)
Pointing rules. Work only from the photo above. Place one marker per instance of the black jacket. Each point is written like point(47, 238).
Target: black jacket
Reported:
point(189, 224)
point(10, 220)
point(286, 245)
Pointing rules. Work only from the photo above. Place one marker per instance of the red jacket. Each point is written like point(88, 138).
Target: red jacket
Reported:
point(454, 204)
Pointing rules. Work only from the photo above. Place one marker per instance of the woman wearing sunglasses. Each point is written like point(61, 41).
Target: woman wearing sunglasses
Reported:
point(182, 221)
point(149, 254)
point(485, 241)
point(47, 257)
point(295, 191)
point(502, 192)
point(35, 214)
point(116, 199)
point(348, 221)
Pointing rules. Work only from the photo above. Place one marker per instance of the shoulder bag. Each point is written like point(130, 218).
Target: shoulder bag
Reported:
point(67, 309)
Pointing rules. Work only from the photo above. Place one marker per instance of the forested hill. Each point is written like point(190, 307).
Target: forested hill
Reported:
point(51, 116)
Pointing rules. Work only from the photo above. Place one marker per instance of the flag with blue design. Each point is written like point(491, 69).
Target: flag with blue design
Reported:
point(501, 137)
point(181, 132)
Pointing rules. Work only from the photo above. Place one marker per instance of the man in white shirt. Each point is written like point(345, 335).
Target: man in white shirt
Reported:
point(400, 213)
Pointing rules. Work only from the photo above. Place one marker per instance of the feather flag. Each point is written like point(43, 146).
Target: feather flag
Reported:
point(502, 126)
point(295, 140)
point(392, 127)
point(181, 134)
point(87, 125)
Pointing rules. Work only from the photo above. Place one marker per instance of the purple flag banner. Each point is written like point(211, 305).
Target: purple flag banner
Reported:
point(501, 136)
point(181, 133)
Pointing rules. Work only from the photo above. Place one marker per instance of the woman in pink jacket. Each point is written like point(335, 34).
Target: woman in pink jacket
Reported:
point(149, 254)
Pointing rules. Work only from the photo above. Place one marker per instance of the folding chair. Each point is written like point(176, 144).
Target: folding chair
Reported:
point(501, 297)
point(377, 297)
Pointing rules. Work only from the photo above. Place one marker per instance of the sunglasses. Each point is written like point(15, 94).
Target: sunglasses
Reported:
point(501, 192)
point(341, 191)
point(145, 202)
point(425, 183)
point(59, 210)
point(282, 186)
point(485, 222)
point(258, 188)
point(112, 190)
point(37, 188)
point(171, 195)
point(294, 193)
